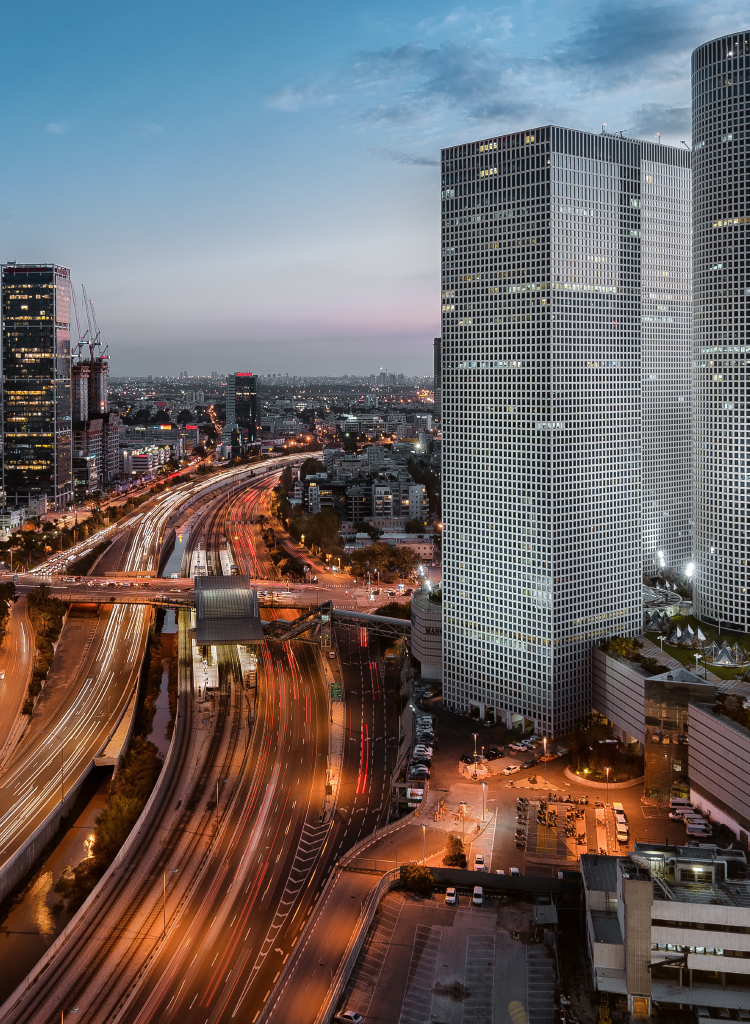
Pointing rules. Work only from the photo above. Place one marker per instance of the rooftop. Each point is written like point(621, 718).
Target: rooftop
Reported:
point(599, 873)
point(226, 611)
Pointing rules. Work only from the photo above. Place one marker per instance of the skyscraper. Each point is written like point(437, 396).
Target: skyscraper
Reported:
point(242, 402)
point(36, 408)
point(721, 367)
point(437, 375)
point(541, 401)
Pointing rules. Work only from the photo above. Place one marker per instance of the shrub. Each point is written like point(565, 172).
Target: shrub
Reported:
point(455, 857)
point(418, 879)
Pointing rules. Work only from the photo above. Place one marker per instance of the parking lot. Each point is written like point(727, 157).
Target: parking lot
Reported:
point(455, 802)
point(425, 961)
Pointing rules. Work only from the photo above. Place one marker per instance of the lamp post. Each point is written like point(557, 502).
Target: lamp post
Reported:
point(475, 755)
point(484, 786)
point(607, 800)
point(463, 822)
point(424, 840)
point(545, 761)
point(661, 642)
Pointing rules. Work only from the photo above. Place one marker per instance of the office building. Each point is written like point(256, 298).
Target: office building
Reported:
point(668, 925)
point(37, 442)
point(437, 375)
point(721, 293)
point(242, 403)
point(666, 352)
point(543, 248)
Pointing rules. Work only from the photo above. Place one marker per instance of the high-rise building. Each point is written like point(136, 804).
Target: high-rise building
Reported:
point(666, 348)
point(36, 399)
point(543, 247)
point(437, 375)
point(242, 402)
point(721, 297)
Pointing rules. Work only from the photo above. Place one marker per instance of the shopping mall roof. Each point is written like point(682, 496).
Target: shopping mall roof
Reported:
point(226, 611)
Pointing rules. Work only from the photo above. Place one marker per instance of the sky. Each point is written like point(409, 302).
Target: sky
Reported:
point(254, 186)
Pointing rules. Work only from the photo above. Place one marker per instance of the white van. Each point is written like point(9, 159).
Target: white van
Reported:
point(478, 898)
point(617, 807)
point(623, 836)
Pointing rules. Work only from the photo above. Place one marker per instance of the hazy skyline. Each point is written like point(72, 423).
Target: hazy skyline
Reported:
point(252, 186)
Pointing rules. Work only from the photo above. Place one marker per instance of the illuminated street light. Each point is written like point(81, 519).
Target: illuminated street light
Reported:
point(607, 800)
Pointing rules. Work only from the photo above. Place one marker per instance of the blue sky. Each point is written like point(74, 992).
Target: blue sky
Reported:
point(256, 186)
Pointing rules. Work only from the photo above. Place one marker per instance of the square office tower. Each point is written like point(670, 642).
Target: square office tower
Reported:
point(242, 402)
point(36, 399)
point(721, 355)
point(542, 414)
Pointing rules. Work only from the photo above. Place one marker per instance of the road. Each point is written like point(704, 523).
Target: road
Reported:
point(243, 920)
point(16, 666)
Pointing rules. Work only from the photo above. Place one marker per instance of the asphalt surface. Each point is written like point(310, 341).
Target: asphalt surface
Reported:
point(243, 920)
point(16, 666)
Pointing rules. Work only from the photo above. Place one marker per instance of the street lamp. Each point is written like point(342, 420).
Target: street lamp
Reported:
point(463, 821)
point(607, 800)
point(475, 754)
point(484, 786)
point(545, 761)
point(424, 840)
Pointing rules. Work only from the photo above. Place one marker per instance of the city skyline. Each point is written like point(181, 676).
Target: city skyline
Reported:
point(185, 153)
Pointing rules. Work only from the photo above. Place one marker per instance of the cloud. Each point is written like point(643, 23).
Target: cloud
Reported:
point(292, 98)
point(659, 117)
point(148, 129)
point(397, 156)
point(56, 128)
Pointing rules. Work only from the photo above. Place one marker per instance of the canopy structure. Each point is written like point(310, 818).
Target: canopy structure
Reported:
point(226, 611)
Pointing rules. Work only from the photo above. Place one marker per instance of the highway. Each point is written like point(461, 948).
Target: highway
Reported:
point(16, 666)
point(236, 898)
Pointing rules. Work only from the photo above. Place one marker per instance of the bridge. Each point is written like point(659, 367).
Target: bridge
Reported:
point(228, 598)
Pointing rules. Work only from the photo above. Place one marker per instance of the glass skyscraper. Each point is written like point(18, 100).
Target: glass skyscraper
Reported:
point(542, 401)
point(36, 389)
point(721, 358)
point(242, 403)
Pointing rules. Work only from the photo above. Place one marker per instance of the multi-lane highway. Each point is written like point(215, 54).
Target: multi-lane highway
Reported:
point(239, 885)
point(16, 666)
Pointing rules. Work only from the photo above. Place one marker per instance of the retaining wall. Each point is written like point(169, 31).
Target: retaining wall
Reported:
point(603, 785)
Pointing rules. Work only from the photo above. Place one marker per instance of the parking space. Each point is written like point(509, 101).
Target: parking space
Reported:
point(455, 965)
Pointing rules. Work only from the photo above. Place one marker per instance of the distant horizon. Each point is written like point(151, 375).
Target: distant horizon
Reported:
point(265, 181)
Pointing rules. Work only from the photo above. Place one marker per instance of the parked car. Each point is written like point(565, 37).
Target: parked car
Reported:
point(349, 1017)
point(548, 757)
point(478, 897)
point(529, 764)
point(479, 862)
point(511, 769)
point(451, 897)
point(467, 759)
point(518, 746)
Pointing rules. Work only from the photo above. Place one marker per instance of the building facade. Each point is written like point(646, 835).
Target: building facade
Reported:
point(242, 403)
point(542, 235)
point(666, 339)
point(437, 375)
point(36, 400)
point(721, 369)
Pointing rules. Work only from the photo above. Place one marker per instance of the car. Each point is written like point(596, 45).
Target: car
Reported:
point(349, 1017)
point(561, 751)
point(332, 655)
point(518, 746)
point(174, 576)
point(479, 862)
point(467, 759)
point(511, 769)
point(451, 896)
point(529, 764)
point(515, 871)
point(548, 757)
point(425, 751)
point(477, 898)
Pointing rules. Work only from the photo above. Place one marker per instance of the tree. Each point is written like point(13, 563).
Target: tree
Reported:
point(455, 857)
point(413, 526)
point(417, 878)
point(184, 416)
point(310, 467)
point(287, 479)
point(625, 646)
point(395, 610)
